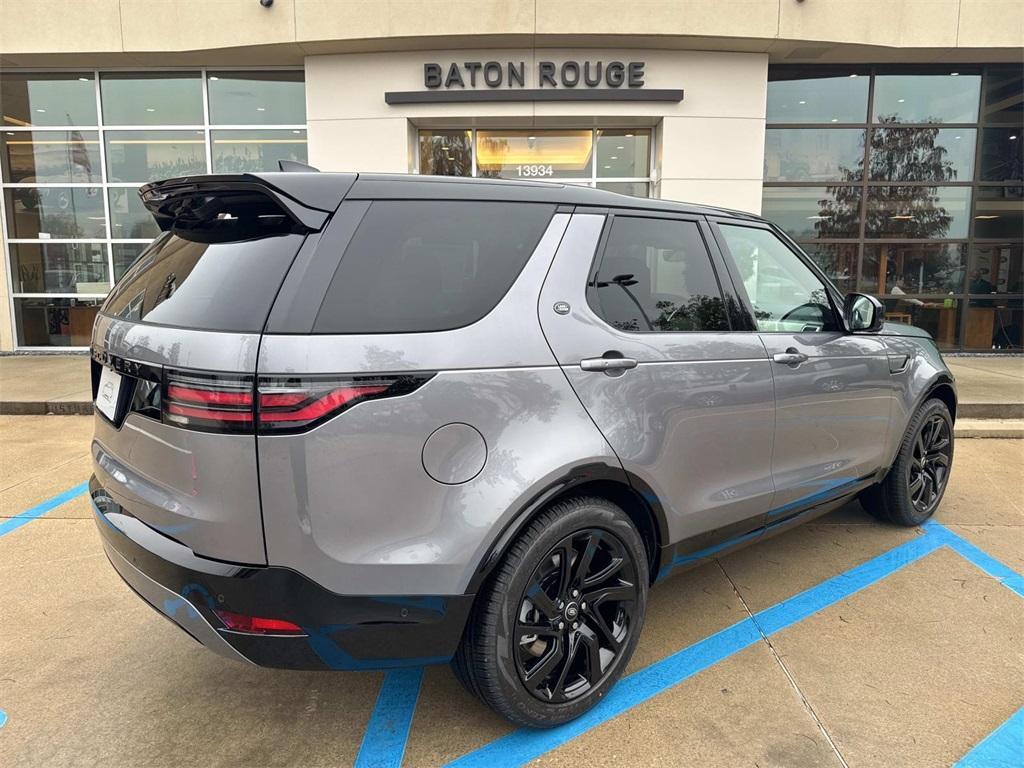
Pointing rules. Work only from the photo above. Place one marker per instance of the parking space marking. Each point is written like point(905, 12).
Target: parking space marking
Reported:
point(3, 718)
point(388, 730)
point(13, 523)
point(521, 746)
point(1003, 748)
point(979, 558)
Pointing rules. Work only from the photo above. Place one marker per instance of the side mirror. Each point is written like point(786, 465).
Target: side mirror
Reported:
point(863, 313)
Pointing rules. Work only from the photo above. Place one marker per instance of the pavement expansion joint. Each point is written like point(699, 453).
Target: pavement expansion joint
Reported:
point(785, 670)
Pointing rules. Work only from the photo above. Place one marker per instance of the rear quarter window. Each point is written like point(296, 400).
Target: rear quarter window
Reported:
point(219, 286)
point(415, 266)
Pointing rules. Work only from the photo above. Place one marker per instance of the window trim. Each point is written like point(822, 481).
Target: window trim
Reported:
point(834, 296)
point(710, 249)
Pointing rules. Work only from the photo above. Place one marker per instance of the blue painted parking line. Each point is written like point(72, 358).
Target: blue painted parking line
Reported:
point(1009, 578)
point(388, 730)
point(13, 523)
point(3, 718)
point(523, 745)
point(1003, 748)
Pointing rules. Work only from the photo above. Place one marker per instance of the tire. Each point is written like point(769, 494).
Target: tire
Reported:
point(557, 671)
point(925, 456)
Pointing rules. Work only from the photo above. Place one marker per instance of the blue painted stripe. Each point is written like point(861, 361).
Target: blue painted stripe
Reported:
point(13, 523)
point(1009, 577)
point(388, 730)
point(3, 718)
point(523, 745)
point(1003, 748)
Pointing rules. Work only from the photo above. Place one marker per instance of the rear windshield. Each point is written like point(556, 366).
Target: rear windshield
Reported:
point(222, 286)
point(429, 266)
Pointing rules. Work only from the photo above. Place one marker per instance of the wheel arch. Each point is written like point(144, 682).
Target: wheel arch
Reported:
point(615, 484)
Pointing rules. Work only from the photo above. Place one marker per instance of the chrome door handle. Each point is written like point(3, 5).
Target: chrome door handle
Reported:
point(790, 357)
point(607, 364)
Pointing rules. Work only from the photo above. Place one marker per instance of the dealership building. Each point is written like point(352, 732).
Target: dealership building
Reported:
point(885, 136)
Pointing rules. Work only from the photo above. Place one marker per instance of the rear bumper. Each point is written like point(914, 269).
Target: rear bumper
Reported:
point(339, 632)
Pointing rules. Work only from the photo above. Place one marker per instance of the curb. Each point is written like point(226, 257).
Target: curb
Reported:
point(990, 410)
point(38, 408)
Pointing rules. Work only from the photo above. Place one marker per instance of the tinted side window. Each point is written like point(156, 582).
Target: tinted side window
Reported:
point(656, 275)
point(429, 265)
point(226, 286)
point(786, 295)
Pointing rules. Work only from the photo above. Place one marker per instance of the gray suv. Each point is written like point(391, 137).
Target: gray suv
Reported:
point(363, 421)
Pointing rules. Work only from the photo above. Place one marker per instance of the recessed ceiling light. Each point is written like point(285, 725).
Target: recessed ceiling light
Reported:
point(853, 75)
point(40, 110)
point(614, 157)
point(901, 100)
point(607, 166)
point(296, 131)
point(620, 147)
point(954, 74)
point(629, 135)
point(261, 109)
point(957, 138)
point(214, 77)
point(84, 79)
point(150, 109)
point(835, 119)
point(803, 102)
point(532, 138)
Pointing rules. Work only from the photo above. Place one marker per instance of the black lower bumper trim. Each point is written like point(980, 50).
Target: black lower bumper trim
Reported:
point(340, 631)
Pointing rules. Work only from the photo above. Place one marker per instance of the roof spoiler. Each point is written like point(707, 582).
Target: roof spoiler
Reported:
point(285, 202)
point(294, 166)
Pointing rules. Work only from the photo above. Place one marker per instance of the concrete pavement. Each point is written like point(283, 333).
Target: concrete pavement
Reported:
point(913, 669)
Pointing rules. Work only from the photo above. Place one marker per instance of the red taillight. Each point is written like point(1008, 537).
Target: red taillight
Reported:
point(226, 402)
point(257, 625)
point(293, 404)
point(210, 402)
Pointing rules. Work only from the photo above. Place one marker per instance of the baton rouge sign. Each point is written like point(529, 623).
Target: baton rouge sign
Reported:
point(507, 81)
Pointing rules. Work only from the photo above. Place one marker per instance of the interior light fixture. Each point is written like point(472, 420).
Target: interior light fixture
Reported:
point(261, 109)
point(901, 100)
point(214, 77)
point(802, 102)
point(614, 157)
point(835, 119)
point(629, 135)
point(40, 110)
point(150, 109)
point(853, 75)
point(83, 79)
point(953, 74)
point(957, 138)
point(1013, 138)
point(620, 147)
point(296, 132)
point(988, 216)
point(607, 166)
point(531, 138)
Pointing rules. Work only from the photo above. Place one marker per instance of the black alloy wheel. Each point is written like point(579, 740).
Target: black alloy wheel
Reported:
point(575, 615)
point(929, 468)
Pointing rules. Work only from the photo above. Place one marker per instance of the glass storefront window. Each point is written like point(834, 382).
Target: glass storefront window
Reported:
point(623, 153)
point(813, 154)
point(1002, 156)
point(922, 154)
point(632, 188)
point(916, 268)
point(152, 98)
point(147, 155)
point(918, 212)
point(446, 153)
point(64, 99)
point(1004, 95)
point(59, 267)
point(56, 322)
point(48, 213)
point(997, 268)
point(532, 154)
point(241, 151)
point(814, 213)
point(994, 324)
point(128, 216)
point(838, 261)
point(940, 317)
point(813, 95)
point(74, 148)
point(945, 98)
point(124, 255)
point(30, 157)
point(999, 213)
point(257, 98)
